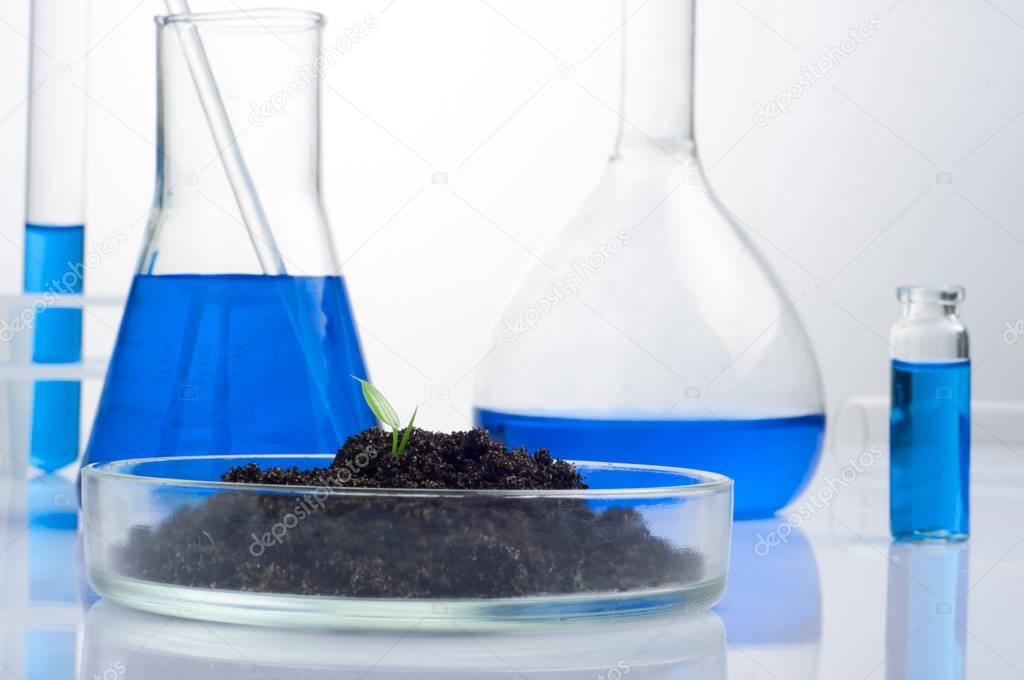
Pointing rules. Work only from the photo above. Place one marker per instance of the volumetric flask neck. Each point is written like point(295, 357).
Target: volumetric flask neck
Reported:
point(657, 78)
point(238, 335)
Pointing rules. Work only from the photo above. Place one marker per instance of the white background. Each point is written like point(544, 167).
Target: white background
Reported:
point(843, 189)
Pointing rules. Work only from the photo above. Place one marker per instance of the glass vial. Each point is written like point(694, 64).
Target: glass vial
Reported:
point(930, 423)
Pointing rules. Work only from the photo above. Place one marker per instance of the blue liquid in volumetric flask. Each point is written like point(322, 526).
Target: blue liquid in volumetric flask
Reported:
point(53, 265)
point(769, 459)
point(231, 363)
point(930, 444)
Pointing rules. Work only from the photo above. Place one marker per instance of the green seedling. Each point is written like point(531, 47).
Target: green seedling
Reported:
point(386, 414)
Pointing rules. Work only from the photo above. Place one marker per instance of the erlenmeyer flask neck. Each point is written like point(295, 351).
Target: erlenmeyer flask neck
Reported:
point(657, 77)
point(267, 67)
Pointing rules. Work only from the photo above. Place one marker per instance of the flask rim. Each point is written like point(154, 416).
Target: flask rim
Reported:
point(935, 293)
point(264, 18)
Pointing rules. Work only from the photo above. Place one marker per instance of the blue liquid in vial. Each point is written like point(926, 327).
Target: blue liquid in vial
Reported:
point(769, 459)
point(930, 447)
point(53, 264)
point(231, 363)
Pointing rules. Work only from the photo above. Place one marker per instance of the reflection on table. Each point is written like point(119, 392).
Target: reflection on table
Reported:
point(122, 642)
point(772, 603)
point(40, 584)
point(926, 611)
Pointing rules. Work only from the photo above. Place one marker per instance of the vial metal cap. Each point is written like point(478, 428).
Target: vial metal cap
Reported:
point(940, 293)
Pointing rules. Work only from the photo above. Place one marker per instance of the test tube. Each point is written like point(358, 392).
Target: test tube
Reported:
point(54, 220)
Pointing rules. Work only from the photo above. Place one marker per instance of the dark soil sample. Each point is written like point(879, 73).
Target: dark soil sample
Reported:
point(415, 545)
point(432, 460)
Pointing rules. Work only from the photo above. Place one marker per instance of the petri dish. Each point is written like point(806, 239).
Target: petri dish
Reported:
point(165, 535)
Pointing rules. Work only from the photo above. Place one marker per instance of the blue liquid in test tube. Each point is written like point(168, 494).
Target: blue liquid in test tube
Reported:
point(53, 265)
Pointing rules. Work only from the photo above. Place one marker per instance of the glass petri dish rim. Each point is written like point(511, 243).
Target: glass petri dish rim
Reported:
point(264, 18)
point(708, 483)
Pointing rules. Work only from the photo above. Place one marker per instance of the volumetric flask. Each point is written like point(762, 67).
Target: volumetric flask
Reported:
point(651, 330)
point(238, 335)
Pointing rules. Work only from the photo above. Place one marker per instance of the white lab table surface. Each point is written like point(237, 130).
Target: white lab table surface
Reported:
point(818, 592)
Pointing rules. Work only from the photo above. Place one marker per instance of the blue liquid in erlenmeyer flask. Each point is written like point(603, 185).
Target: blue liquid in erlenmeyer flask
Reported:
point(770, 459)
point(930, 444)
point(53, 265)
point(231, 363)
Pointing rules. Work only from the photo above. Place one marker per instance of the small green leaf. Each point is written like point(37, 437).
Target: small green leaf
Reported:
point(408, 431)
point(380, 406)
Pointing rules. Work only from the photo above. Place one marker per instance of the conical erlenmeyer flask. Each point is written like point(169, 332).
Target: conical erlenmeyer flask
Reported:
point(651, 330)
point(214, 355)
